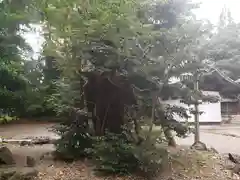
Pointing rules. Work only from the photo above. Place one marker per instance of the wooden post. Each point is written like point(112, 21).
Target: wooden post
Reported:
point(197, 143)
point(196, 114)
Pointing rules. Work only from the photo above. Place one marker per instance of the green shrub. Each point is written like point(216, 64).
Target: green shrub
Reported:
point(114, 154)
point(151, 158)
point(111, 153)
point(117, 154)
point(74, 141)
point(5, 119)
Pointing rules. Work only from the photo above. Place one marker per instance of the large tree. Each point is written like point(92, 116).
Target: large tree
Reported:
point(222, 52)
point(147, 42)
point(12, 82)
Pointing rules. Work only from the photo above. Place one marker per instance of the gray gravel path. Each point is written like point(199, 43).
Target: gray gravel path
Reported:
point(213, 136)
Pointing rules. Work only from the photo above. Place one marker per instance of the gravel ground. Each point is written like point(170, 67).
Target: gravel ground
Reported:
point(186, 164)
point(209, 167)
point(20, 131)
point(222, 143)
point(224, 138)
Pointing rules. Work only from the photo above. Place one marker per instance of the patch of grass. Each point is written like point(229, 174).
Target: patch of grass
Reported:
point(6, 119)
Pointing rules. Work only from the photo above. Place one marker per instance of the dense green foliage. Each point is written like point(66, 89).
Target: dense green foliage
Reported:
point(132, 48)
point(74, 142)
point(118, 154)
point(119, 37)
point(143, 39)
point(111, 153)
point(115, 154)
point(21, 90)
point(12, 81)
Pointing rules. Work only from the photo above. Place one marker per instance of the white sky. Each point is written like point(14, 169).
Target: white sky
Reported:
point(209, 9)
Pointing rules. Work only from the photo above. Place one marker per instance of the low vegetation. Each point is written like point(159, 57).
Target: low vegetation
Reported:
point(107, 68)
point(183, 163)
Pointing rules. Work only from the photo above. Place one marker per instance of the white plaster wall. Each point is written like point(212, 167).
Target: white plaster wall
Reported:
point(211, 111)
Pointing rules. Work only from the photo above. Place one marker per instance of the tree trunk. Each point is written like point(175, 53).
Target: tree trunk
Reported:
point(154, 100)
point(81, 103)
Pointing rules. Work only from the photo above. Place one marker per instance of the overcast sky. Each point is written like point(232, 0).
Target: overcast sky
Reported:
point(209, 9)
